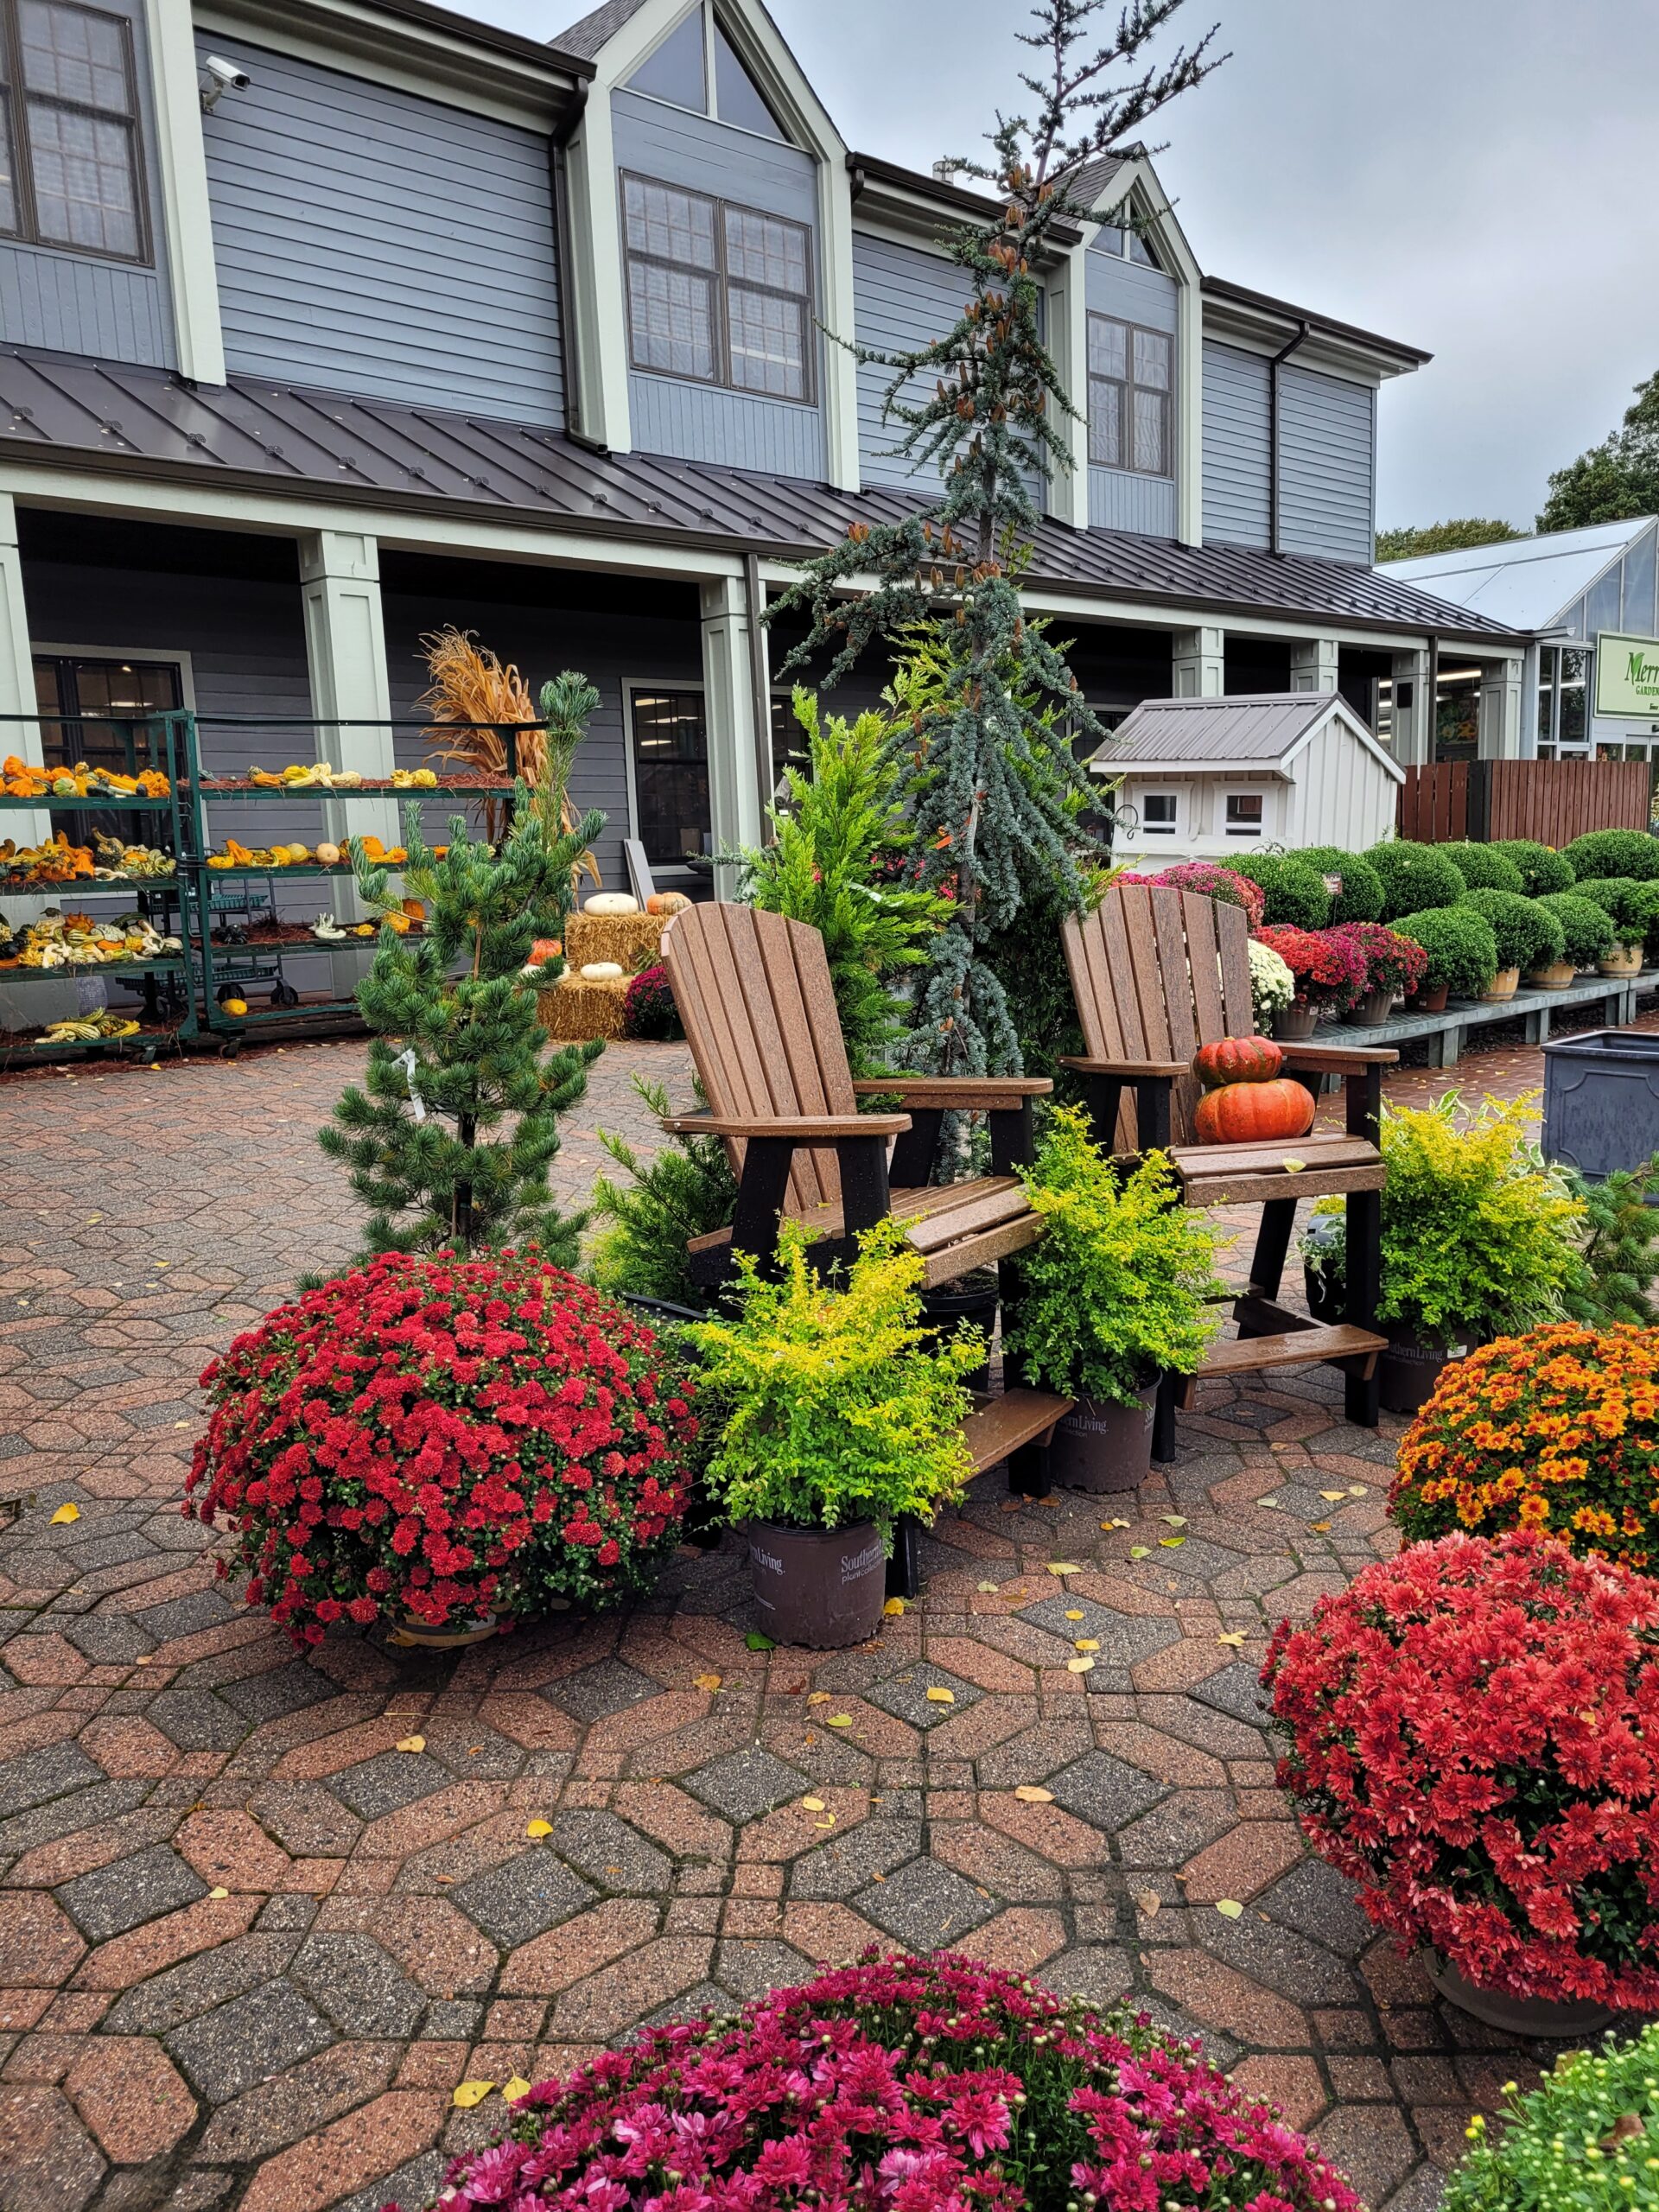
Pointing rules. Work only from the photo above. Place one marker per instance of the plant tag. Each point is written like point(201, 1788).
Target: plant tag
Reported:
point(406, 1061)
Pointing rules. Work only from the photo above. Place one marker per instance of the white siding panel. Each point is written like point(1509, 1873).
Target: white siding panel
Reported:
point(1237, 468)
point(1341, 795)
point(375, 243)
point(1118, 500)
point(1326, 464)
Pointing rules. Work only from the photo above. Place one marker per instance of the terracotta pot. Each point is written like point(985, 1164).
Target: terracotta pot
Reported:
point(1555, 977)
point(1513, 2016)
point(1504, 985)
point(1623, 960)
point(1407, 1371)
point(411, 1635)
point(1434, 1001)
point(1295, 1023)
point(1101, 1446)
point(1374, 1008)
point(821, 1587)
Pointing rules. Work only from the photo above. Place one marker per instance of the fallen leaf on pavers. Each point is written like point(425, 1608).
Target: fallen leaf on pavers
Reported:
point(1139, 1551)
point(538, 1828)
point(828, 1821)
point(181, 1424)
point(1321, 1527)
point(1150, 1901)
point(1064, 1567)
point(1073, 1614)
point(893, 1607)
point(411, 1743)
point(818, 1697)
point(144, 1659)
point(469, 2093)
point(1114, 1524)
point(706, 1682)
point(1357, 1491)
point(445, 1878)
point(219, 1893)
point(1271, 1504)
point(1174, 1520)
point(1086, 1642)
point(987, 1589)
point(1235, 1637)
point(878, 1878)
point(91, 1217)
point(511, 2091)
point(1079, 1666)
point(66, 1513)
point(937, 1696)
point(1230, 1909)
point(1029, 1792)
point(839, 1720)
point(756, 1641)
point(1331, 1496)
point(813, 1804)
point(1171, 1543)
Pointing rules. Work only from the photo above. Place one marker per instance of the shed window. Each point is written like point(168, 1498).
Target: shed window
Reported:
point(1129, 385)
point(716, 293)
point(69, 152)
point(1243, 814)
point(1157, 814)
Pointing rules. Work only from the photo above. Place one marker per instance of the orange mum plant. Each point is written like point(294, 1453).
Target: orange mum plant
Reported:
point(1556, 1431)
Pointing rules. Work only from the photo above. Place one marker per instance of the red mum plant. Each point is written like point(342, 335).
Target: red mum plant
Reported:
point(445, 1439)
point(922, 2085)
point(1393, 962)
point(1210, 881)
point(648, 1009)
point(1328, 967)
point(1472, 1734)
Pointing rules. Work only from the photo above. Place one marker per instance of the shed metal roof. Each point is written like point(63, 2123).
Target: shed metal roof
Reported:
point(1260, 730)
point(67, 411)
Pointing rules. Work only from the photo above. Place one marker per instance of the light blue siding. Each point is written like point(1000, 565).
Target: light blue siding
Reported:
point(1119, 500)
point(79, 303)
point(699, 422)
point(1238, 469)
point(1129, 289)
point(903, 299)
point(1327, 433)
point(372, 242)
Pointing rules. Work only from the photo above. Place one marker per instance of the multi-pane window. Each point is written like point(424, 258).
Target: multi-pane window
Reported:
point(1563, 677)
point(718, 294)
point(1130, 378)
point(70, 162)
point(671, 775)
point(1244, 814)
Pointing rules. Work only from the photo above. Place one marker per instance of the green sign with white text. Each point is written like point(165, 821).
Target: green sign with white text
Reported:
point(1627, 675)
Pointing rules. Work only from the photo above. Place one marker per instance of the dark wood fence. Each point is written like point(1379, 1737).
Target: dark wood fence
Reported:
point(1553, 801)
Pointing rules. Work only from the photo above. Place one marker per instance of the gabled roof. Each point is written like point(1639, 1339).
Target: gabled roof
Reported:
point(598, 27)
point(1259, 731)
point(1527, 581)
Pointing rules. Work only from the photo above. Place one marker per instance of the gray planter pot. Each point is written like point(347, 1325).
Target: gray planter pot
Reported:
point(1512, 2016)
point(1295, 1023)
point(821, 1587)
point(1101, 1446)
point(1601, 1100)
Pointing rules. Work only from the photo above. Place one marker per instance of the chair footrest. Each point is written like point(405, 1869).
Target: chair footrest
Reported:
point(1000, 1425)
point(1295, 1348)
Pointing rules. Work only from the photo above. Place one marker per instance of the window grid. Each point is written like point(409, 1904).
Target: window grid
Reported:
point(717, 293)
point(1130, 380)
point(1245, 814)
point(69, 131)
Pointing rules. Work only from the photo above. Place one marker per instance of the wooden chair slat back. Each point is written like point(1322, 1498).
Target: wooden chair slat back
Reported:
point(754, 994)
point(1156, 973)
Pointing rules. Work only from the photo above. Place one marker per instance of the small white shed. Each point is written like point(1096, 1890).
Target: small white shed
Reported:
point(1207, 779)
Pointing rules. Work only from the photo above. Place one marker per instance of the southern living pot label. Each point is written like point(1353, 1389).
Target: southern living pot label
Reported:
point(1079, 1423)
point(768, 1562)
point(855, 1566)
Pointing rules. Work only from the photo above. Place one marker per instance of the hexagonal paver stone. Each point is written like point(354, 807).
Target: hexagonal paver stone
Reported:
point(1182, 1825)
point(1125, 1639)
point(741, 1785)
point(196, 1719)
point(905, 1696)
point(600, 1690)
point(418, 2182)
point(187, 1616)
point(227, 2051)
point(1198, 1561)
point(356, 1985)
point(212, 1978)
point(131, 1890)
point(389, 1782)
point(49, 2162)
point(283, 1690)
point(926, 1906)
point(837, 1869)
point(107, 1639)
point(306, 1819)
point(525, 1898)
point(611, 1854)
point(1105, 1791)
point(1316, 1901)
point(37, 1777)
point(703, 2001)
point(750, 1969)
point(1236, 1692)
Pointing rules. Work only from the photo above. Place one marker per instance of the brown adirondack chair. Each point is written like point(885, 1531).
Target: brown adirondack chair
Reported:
point(754, 994)
point(1156, 973)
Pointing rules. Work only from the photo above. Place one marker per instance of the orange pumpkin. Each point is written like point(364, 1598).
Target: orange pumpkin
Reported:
point(545, 948)
point(1237, 1059)
point(1254, 1113)
point(667, 902)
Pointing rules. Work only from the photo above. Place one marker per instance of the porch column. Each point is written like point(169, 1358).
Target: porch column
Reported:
point(1413, 710)
point(736, 800)
point(345, 653)
point(1313, 664)
point(17, 673)
point(1499, 722)
point(1198, 664)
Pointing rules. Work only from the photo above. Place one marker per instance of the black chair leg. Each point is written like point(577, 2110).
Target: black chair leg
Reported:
point(1163, 1419)
point(905, 1567)
point(1028, 1474)
point(1362, 1395)
point(1272, 1248)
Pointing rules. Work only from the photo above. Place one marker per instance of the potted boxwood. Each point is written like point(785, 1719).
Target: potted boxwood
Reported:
point(1112, 1298)
point(1527, 934)
point(1294, 896)
point(1413, 877)
point(1626, 901)
point(1587, 932)
point(1328, 968)
point(1542, 868)
point(1466, 1736)
point(841, 1412)
point(1461, 948)
point(1394, 966)
point(1357, 893)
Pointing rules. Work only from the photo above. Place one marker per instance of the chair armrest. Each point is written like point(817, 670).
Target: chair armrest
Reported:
point(970, 1092)
point(1340, 1059)
point(805, 1128)
point(1127, 1070)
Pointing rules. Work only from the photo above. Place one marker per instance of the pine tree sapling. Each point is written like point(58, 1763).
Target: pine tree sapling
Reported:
point(450, 1139)
point(684, 1189)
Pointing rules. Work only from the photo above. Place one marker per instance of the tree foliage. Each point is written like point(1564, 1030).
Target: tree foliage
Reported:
point(1411, 540)
point(1615, 480)
point(995, 791)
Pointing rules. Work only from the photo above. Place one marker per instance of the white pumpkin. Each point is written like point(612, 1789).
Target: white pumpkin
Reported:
point(610, 902)
point(601, 971)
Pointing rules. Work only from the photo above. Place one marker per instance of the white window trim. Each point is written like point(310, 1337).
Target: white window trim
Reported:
point(1226, 828)
point(1171, 828)
point(187, 242)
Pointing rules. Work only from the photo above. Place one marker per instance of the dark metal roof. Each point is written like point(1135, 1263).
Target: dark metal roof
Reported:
point(250, 434)
point(1218, 288)
point(551, 55)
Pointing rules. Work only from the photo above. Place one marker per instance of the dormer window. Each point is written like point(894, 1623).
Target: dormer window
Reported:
point(1130, 373)
point(696, 54)
point(718, 294)
point(1123, 242)
point(69, 153)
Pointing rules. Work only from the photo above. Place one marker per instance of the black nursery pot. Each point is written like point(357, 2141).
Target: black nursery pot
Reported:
point(1101, 1446)
point(1409, 1371)
point(973, 1301)
point(821, 1587)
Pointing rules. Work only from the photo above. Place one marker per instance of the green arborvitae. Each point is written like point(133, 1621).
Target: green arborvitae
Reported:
point(450, 1139)
point(1621, 1247)
point(997, 788)
point(838, 860)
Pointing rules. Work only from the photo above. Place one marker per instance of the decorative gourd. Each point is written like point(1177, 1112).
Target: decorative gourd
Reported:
point(328, 855)
point(545, 948)
point(1237, 1059)
point(611, 902)
point(236, 1005)
point(667, 902)
point(601, 971)
point(1254, 1113)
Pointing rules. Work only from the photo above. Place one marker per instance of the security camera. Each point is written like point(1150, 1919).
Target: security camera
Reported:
point(219, 77)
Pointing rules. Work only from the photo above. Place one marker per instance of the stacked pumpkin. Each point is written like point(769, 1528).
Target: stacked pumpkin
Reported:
point(1246, 1098)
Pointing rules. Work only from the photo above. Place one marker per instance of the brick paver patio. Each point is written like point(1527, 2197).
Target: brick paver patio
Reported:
point(248, 1948)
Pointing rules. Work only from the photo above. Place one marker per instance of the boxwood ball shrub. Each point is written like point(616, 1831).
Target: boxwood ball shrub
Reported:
point(1415, 877)
point(1294, 893)
point(899, 2085)
point(1528, 935)
point(1485, 867)
point(1360, 899)
point(1542, 868)
point(1461, 946)
point(444, 1439)
point(1644, 913)
point(1587, 930)
point(1615, 852)
point(1570, 2143)
point(1616, 896)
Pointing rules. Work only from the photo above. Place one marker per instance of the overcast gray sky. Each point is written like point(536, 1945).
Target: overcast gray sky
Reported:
point(1480, 177)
